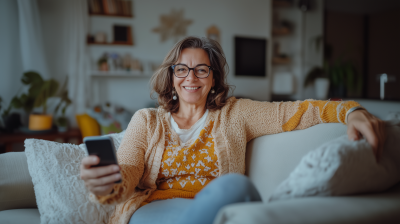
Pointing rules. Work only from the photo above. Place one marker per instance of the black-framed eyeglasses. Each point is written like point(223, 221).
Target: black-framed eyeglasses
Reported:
point(200, 71)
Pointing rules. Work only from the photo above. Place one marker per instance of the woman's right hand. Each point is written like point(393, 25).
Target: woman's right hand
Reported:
point(99, 180)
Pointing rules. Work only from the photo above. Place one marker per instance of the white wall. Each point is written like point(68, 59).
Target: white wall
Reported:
point(232, 17)
point(10, 52)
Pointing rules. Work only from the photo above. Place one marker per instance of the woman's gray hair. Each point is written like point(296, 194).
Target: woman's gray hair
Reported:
point(162, 79)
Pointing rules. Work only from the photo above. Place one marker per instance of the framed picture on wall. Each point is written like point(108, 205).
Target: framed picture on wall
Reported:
point(250, 56)
point(122, 34)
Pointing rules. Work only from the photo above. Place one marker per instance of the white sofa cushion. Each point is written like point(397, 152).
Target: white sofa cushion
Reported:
point(365, 209)
point(271, 158)
point(16, 188)
point(344, 167)
point(61, 194)
point(19, 216)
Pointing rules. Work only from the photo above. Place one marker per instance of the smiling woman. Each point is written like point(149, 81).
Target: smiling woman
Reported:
point(182, 162)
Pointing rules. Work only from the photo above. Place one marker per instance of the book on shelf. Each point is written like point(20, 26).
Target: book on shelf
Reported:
point(110, 7)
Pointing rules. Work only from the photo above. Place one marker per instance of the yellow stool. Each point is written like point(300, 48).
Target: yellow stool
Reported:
point(87, 125)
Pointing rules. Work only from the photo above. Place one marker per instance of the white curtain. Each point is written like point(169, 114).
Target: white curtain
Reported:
point(31, 41)
point(76, 52)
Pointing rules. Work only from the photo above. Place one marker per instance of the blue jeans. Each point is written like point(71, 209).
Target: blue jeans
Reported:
point(224, 190)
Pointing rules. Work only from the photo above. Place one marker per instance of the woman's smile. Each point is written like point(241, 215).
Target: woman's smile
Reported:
point(191, 89)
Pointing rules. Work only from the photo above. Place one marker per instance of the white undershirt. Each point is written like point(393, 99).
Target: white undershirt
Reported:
point(194, 131)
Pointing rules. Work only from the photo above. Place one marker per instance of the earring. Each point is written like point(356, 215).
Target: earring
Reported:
point(174, 97)
point(212, 91)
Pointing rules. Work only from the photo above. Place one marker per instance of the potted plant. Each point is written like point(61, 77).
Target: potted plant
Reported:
point(65, 101)
point(38, 93)
point(319, 77)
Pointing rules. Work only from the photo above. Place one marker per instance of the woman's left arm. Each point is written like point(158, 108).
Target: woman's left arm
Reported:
point(360, 122)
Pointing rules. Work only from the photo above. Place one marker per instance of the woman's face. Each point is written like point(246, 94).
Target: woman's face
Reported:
point(192, 90)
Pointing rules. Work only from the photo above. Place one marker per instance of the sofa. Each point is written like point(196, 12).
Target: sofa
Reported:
point(269, 160)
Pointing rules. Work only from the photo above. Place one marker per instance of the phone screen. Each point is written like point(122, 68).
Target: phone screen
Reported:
point(103, 149)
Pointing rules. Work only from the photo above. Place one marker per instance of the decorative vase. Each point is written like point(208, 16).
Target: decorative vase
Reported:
point(39, 122)
point(321, 88)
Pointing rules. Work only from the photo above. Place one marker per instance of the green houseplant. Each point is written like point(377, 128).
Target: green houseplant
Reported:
point(65, 101)
point(39, 91)
point(344, 78)
point(318, 77)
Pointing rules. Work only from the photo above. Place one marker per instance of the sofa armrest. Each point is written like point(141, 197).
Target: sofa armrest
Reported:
point(16, 187)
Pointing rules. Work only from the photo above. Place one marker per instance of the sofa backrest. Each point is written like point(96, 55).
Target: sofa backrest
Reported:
point(271, 158)
point(16, 187)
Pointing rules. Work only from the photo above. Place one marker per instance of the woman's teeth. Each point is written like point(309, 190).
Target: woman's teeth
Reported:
point(191, 88)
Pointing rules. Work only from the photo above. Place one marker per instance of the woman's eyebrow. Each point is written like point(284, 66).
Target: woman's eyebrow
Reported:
point(188, 66)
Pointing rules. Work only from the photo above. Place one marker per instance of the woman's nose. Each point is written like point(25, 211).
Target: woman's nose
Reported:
point(191, 75)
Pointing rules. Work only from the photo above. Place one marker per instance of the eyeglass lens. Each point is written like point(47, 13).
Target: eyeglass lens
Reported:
point(200, 71)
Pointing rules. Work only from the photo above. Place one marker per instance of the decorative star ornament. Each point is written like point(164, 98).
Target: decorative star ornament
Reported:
point(172, 25)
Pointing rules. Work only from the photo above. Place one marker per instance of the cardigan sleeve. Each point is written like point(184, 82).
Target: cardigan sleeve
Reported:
point(262, 118)
point(130, 159)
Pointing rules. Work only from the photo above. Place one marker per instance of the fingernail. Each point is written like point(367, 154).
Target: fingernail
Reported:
point(116, 168)
point(118, 176)
point(94, 159)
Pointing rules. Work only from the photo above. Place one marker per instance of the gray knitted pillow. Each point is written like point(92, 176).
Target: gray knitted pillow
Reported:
point(344, 167)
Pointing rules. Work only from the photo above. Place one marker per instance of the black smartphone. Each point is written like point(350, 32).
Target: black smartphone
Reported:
point(102, 147)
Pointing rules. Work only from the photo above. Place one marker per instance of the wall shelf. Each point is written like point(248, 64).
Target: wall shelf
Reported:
point(281, 31)
point(280, 61)
point(280, 27)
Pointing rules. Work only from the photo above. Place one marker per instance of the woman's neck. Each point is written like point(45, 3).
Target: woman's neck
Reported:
point(188, 115)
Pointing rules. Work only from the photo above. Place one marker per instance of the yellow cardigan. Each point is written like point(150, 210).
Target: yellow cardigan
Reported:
point(238, 122)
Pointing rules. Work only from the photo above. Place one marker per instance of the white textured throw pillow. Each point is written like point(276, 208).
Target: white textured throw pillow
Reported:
point(60, 193)
point(344, 167)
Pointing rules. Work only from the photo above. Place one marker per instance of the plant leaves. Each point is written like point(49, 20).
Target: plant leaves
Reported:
point(316, 72)
point(34, 80)
point(32, 77)
point(57, 107)
point(49, 89)
point(28, 104)
point(16, 102)
point(63, 109)
point(35, 89)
